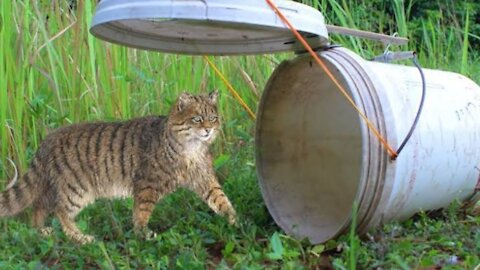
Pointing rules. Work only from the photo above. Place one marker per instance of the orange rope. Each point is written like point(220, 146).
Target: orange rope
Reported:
point(230, 87)
point(391, 151)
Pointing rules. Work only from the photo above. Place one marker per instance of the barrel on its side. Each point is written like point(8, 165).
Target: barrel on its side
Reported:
point(316, 157)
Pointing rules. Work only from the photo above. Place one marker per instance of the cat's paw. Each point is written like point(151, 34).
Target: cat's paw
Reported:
point(150, 235)
point(84, 239)
point(146, 233)
point(232, 219)
point(46, 231)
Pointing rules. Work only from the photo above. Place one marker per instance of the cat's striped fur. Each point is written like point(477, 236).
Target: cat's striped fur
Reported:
point(146, 158)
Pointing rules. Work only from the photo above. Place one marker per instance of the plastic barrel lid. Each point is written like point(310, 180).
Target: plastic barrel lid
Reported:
point(217, 27)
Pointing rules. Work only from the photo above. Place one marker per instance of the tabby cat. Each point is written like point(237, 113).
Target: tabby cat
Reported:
point(146, 158)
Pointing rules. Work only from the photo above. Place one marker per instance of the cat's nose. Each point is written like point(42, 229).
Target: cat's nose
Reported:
point(207, 130)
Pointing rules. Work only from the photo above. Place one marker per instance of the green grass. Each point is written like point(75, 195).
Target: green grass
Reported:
point(52, 73)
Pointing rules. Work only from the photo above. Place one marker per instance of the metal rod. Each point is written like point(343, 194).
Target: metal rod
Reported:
point(366, 34)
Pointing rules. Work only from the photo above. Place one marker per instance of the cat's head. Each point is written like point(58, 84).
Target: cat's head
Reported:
point(194, 118)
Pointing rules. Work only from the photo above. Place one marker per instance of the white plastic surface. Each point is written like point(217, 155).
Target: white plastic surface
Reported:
point(217, 27)
point(316, 157)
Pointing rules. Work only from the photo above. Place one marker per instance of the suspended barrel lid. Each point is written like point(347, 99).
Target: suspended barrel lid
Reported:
point(216, 27)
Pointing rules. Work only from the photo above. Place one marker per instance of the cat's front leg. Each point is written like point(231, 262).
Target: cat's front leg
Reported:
point(211, 192)
point(144, 200)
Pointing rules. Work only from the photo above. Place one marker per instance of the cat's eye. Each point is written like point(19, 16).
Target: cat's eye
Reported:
point(212, 118)
point(197, 119)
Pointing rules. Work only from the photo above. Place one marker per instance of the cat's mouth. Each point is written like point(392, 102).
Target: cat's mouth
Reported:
point(204, 137)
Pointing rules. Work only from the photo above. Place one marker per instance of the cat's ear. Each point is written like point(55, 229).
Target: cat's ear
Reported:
point(182, 101)
point(212, 97)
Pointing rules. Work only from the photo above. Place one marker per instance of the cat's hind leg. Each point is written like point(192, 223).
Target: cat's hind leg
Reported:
point(41, 210)
point(70, 228)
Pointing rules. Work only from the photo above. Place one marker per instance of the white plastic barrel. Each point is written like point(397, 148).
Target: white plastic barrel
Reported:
point(316, 156)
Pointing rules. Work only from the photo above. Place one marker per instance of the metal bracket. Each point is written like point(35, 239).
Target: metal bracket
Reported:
point(389, 56)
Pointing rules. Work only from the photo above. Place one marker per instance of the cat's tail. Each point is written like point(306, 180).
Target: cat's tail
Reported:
point(21, 194)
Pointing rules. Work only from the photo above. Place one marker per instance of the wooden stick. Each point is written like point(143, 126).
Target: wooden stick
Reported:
point(366, 34)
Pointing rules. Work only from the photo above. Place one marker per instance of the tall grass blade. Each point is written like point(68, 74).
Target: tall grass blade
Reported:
point(465, 47)
point(400, 17)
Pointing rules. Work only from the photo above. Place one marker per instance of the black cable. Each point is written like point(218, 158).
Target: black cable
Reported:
point(420, 108)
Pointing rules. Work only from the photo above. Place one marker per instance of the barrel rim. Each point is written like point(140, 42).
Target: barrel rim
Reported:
point(368, 180)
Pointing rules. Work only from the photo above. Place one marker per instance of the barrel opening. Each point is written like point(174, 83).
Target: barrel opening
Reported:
point(309, 149)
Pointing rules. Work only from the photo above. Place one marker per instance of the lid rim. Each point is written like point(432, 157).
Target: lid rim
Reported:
point(255, 37)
